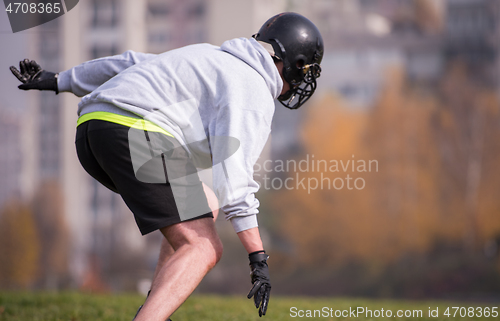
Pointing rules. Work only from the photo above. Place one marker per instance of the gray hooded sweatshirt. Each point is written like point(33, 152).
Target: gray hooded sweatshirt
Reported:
point(195, 93)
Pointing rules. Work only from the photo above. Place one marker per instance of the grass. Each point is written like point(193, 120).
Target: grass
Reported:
point(72, 306)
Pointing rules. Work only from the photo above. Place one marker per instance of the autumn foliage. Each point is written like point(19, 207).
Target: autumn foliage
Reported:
point(19, 247)
point(34, 241)
point(54, 237)
point(436, 186)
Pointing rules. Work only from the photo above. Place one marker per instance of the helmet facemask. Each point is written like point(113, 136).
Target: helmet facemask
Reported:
point(297, 95)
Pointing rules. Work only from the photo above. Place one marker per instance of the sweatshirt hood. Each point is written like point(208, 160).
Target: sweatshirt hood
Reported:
point(251, 52)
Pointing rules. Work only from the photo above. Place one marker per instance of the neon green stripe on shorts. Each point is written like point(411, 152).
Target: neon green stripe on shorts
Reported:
point(137, 123)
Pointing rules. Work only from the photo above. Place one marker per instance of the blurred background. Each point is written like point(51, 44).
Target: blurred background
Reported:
point(412, 86)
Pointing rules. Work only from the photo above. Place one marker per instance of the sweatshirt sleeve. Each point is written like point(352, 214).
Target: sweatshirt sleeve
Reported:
point(86, 77)
point(233, 176)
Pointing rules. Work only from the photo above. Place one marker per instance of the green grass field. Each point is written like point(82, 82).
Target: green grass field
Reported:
point(16, 306)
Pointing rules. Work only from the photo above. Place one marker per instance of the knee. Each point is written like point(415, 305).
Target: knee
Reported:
point(216, 250)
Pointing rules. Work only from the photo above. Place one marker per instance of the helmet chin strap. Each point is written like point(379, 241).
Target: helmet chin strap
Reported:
point(286, 95)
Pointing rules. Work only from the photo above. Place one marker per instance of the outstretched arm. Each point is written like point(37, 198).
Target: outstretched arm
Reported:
point(79, 80)
point(85, 78)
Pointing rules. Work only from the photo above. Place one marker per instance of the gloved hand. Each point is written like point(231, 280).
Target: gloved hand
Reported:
point(260, 280)
point(33, 76)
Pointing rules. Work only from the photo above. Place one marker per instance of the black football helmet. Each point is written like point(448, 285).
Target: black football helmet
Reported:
point(297, 42)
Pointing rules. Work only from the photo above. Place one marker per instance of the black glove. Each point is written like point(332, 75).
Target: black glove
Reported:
point(33, 76)
point(260, 280)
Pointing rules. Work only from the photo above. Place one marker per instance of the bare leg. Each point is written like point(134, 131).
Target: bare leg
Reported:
point(166, 252)
point(197, 250)
point(166, 249)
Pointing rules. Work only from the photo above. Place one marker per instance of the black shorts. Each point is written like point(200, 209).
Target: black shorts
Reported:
point(132, 162)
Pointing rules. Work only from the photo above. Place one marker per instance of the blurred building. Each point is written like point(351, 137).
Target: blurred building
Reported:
point(364, 39)
point(11, 154)
point(13, 138)
point(49, 118)
point(175, 23)
point(473, 36)
point(40, 139)
point(240, 18)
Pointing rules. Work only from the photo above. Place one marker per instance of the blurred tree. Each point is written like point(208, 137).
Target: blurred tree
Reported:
point(438, 180)
point(19, 247)
point(398, 136)
point(396, 211)
point(467, 129)
point(53, 235)
point(323, 218)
